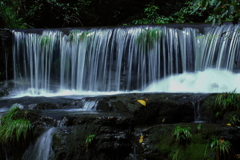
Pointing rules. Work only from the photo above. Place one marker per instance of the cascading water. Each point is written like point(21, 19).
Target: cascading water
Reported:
point(140, 58)
point(42, 148)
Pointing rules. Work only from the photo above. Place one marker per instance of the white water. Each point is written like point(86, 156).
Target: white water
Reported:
point(120, 60)
point(42, 148)
point(207, 81)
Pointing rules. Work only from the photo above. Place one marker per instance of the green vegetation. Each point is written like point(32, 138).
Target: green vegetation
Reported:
point(183, 136)
point(221, 148)
point(199, 127)
point(45, 40)
point(225, 103)
point(168, 148)
point(219, 10)
point(78, 13)
point(14, 130)
point(233, 119)
point(148, 37)
point(151, 16)
point(89, 140)
point(83, 34)
point(10, 16)
point(56, 13)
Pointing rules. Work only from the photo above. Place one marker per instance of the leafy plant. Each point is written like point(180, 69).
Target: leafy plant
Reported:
point(45, 40)
point(174, 154)
point(10, 16)
point(89, 140)
point(221, 148)
point(199, 127)
point(148, 37)
point(226, 102)
point(150, 15)
point(183, 135)
point(13, 129)
point(219, 10)
point(233, 119)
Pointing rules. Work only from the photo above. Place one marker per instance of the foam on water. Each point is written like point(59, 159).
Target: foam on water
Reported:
point(61, 93)
point(106, 61)
point(207, 81)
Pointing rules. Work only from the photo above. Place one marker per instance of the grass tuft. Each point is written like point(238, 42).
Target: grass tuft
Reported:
point(13, 129)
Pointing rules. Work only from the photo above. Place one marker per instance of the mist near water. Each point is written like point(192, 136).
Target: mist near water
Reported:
point(207, 81)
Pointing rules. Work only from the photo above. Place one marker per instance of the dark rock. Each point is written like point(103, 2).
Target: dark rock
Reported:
point(45, 106)
point(124, 129)
point(5, 88)
point(112, 138)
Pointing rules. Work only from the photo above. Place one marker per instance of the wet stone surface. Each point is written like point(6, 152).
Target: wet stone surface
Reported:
point(122, 127)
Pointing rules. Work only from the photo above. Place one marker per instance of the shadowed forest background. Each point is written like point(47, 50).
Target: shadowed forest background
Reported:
point(78, 13)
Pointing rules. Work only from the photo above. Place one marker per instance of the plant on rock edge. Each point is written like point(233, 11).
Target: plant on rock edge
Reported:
point(226, 102)
point(13, 129)
point(89, 140)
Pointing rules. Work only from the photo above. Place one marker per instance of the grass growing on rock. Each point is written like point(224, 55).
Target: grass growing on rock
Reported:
point(13, 129)
point(166, 147)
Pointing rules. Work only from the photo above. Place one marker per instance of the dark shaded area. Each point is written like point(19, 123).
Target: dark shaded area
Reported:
point(6, 71)
point(78, 13)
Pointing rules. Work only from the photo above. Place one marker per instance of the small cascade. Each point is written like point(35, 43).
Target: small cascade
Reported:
point(122, 59)
point(41, 150)
point(197, 114)
point(133, 156)
point(89, 105)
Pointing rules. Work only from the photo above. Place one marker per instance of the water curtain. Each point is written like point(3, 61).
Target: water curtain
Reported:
point(118, 59)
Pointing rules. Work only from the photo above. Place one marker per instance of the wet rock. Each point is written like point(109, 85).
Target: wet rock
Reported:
point(45, 106)
point(5, 88)
point(112, 138)
point(124, 129)
point(160, 108)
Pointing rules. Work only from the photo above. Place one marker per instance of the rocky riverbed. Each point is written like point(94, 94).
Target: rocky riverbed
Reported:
point(118, 127)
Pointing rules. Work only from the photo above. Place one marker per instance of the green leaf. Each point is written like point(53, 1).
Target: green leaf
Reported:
point(219, 21)
point(231, 9)
point(213, 22)
point(218, 4)
point(204, 3)
point(224, 14)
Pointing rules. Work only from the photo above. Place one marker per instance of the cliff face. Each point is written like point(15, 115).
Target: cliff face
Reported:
point(6, 55)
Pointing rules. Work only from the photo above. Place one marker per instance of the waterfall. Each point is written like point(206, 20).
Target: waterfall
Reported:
point(42, 148)
point(121, 59)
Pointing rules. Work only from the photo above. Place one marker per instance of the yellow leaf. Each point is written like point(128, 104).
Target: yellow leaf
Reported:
point(141, 139)
point(228, 124)
point(142, 102)
point(238, 156)
point(163, 120)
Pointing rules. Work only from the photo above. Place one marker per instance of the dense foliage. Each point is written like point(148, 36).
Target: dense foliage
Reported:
point(219, 10)
point(77, 13)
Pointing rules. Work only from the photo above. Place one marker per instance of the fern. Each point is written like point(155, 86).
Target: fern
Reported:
point(222, 148)
point(182, 135)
